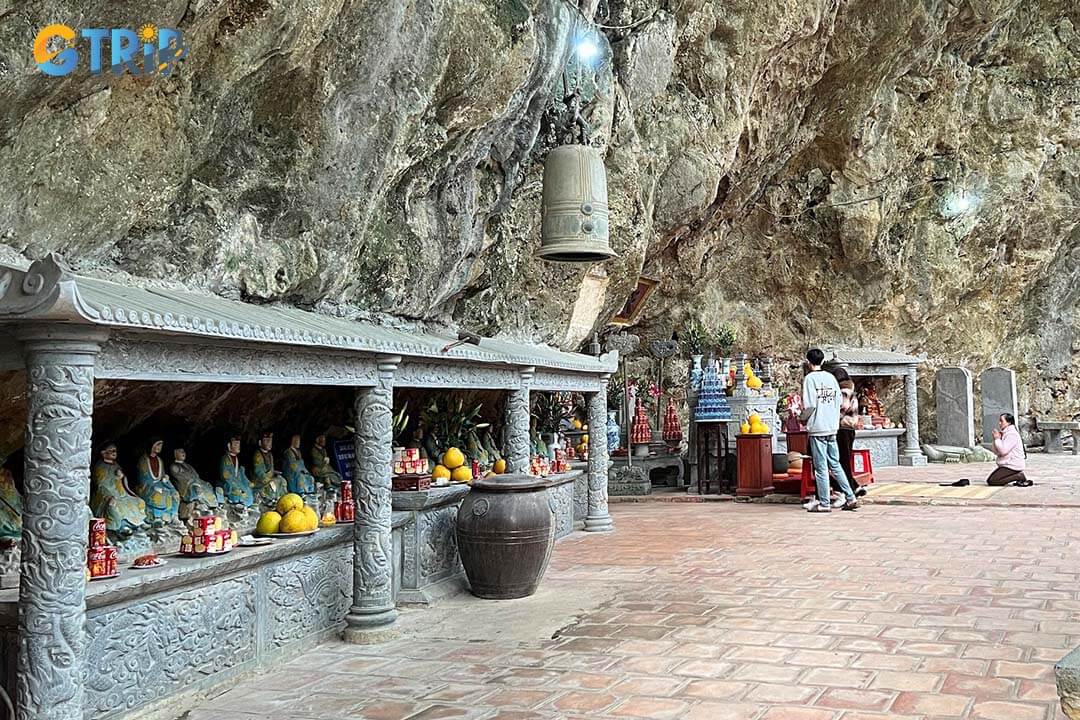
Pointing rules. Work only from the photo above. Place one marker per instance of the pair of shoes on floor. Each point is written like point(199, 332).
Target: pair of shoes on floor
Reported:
point(962, 482)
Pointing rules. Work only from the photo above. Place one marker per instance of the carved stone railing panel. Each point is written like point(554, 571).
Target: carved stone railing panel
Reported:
point(310, 592)
point(438, 550)
point(561, 500)
point(149, 650)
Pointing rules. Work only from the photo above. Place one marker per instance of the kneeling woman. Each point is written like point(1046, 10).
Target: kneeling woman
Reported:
point(1009, 448)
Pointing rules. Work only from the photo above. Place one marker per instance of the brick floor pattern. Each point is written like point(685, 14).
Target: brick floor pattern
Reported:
point(744, 612)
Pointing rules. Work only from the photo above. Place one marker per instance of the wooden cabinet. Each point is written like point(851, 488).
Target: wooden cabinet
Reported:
point(755, 465)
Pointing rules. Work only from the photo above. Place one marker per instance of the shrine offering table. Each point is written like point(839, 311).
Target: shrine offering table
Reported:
point(884, 445)
point(754, 470)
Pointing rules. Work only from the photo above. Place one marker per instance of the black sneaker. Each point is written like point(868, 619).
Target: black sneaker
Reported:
point(851, 505)
point(860, 491)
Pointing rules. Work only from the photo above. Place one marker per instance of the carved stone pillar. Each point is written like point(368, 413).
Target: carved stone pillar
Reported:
point(517, 425)
point(52, 599)
point(372, 612)
point(912, 452)
point(598, 519)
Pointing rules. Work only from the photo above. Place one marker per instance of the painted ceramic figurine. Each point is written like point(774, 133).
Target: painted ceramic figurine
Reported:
point(112, 499)
point(10, 505)
point(296, 473)
point(321, 467)
point(157, 491)
point(268, 484)
point(197, 497)
point(234, 481)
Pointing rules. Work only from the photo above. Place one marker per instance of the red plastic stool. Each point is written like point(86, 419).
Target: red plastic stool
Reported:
point(861, 467)
point(809, 487)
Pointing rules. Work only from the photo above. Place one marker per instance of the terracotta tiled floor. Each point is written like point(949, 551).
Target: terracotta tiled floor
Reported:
point(720, 611)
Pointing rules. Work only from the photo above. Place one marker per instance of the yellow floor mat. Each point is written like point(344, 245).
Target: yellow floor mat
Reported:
point(972, 492)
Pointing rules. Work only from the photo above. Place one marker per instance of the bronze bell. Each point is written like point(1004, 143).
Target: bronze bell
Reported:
point(575, 208)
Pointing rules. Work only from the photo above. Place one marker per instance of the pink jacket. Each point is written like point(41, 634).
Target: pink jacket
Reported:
point(1010, 449)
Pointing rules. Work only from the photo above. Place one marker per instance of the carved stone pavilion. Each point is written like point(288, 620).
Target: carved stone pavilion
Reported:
point(885, 445)
point(73, 650)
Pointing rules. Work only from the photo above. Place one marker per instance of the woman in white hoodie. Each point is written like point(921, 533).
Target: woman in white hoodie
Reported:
point(1011, 456)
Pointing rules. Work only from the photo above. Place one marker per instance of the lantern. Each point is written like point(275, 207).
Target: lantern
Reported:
point(575, 210)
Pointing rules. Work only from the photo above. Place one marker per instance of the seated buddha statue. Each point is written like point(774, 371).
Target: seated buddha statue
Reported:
point(197, 497)
point(321, 468)
point(112, 499)
point(269, 485)
point(10, 505)
point(234, 482)
point(296, 473)
point(155, 487)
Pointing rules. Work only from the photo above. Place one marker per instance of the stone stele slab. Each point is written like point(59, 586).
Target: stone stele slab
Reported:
point(955, 407)
point(998, 388)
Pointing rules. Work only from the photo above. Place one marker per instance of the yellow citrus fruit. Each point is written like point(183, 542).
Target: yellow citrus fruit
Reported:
point(312, 518)
point(500, 466)
point(328, 519)
point(294, 521)
point(268, 523)
point(576, 424)
point(290, 501)
point(453, 458)
point(754, 418)
point(744, 428)
point(461, 474)
point(440, 471)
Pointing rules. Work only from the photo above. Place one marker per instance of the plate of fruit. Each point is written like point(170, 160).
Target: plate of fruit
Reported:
point(291, 518)
point(145, 562)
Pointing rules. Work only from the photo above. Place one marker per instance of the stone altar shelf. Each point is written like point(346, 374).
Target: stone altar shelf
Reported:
point(227, 614)
point(883, 445)
point(212, 618)
point(66, 331)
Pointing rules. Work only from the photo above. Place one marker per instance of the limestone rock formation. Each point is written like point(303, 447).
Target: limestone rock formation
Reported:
point(882, 172)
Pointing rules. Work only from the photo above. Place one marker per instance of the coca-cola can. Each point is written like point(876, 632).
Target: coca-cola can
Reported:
point(98, 535)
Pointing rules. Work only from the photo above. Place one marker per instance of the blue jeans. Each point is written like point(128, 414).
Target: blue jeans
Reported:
point(826, 456)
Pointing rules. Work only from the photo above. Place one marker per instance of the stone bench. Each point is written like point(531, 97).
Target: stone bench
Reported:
point(1054, 429)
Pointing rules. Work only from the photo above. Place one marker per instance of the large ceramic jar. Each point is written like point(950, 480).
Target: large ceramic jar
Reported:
point(505, 532)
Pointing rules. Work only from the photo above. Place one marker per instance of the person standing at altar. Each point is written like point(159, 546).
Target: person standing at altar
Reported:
point(821, 414)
